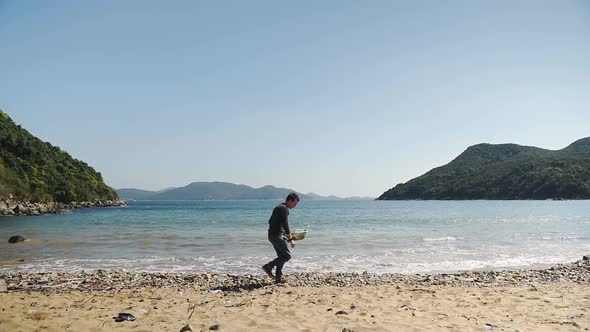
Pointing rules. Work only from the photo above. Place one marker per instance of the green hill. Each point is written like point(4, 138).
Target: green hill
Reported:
point(33, 170)
point(505, 171)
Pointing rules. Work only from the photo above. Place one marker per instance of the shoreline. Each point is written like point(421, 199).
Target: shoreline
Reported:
point(11, 207)
point(100, 280)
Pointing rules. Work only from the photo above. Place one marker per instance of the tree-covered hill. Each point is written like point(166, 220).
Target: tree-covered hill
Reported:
point(505, 171)
point(33, 170)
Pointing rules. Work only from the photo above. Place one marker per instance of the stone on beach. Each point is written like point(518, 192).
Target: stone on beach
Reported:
point(186, 328)
point(577, 272)
point(16, 239)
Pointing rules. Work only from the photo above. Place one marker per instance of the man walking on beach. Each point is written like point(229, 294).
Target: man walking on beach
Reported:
point(279, 235)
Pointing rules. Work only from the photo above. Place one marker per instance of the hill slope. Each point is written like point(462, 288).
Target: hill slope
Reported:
point(505, 171)
point(33, 170)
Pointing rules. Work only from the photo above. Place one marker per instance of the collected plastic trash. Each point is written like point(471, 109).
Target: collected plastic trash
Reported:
point(299, 234)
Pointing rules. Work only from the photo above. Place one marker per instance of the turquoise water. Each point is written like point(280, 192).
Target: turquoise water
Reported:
point(344, 236)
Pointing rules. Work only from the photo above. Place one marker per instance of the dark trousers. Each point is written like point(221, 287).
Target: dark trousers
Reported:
point(281, 246)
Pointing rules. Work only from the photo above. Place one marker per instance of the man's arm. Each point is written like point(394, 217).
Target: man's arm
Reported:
point(285, 222)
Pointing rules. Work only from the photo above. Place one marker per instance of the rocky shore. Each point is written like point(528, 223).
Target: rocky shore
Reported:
point(11, 207)
point(578, 273)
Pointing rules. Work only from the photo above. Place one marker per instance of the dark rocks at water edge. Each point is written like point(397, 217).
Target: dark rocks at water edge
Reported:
point(578, 272)
point(11, 207)
point(16, 239)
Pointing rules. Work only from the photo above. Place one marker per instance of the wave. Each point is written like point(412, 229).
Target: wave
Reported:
point(569, 236)
point(445, 238)
point(389, 262)
point(554, 236)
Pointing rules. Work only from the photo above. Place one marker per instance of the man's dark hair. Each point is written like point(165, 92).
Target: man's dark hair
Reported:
point(292, 197)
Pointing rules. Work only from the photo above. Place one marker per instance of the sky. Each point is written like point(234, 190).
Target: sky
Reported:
point(333, 97)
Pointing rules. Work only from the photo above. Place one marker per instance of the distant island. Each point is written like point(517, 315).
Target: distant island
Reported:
point(34, 172)
point(504, 171)
point(201, 191)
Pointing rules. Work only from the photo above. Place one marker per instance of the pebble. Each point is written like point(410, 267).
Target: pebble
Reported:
point(577, 272)
point(186, 328)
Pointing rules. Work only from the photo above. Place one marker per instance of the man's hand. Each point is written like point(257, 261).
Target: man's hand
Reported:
point(292, 243)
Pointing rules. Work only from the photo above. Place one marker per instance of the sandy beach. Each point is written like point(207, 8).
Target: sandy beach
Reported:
point(560, 307)
point(556, 299)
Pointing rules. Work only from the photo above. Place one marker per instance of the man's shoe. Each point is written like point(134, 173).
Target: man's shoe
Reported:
point(268, 270)
point(282, 280)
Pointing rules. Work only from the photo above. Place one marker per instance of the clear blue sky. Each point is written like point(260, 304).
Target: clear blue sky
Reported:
point(334, 97)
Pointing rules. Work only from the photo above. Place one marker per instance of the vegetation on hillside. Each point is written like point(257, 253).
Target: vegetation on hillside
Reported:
point(37, 171)
point(505, 171)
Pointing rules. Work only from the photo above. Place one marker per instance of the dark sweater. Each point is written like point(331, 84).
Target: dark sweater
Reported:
point(278, 224)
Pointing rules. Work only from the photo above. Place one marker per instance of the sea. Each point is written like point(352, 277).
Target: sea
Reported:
point(343, 236)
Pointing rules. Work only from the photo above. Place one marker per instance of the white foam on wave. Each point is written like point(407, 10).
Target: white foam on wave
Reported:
point(445, 238)
point(389, 262)
point(419, 257)
point(555, 236)
point(568, 236)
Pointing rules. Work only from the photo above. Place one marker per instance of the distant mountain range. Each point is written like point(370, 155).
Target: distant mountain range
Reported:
point(505, 171)
point(200, 191)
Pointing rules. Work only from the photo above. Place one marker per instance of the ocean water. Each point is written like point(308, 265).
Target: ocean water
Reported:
point(344, 236)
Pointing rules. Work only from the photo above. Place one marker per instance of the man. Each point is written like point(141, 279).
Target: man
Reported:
point(279, 235)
